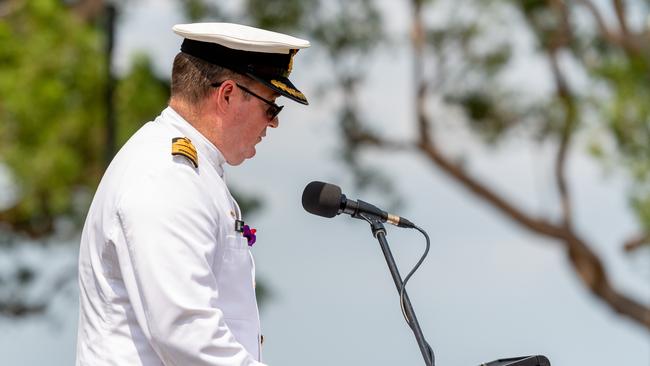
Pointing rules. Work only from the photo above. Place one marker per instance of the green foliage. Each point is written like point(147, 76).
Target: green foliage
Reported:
point(348, 27)
point(532, 6)
point(542, 19)
point(196, 10)
point(340, 26)
point(621, 103)
point(613, 95)
point(53, 79)
point(641, 205)
point(141, 95)
point(627, 109)
point(50, 77)
point(280, 14)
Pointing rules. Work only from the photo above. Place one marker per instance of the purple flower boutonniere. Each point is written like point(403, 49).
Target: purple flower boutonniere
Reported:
point(249, 234)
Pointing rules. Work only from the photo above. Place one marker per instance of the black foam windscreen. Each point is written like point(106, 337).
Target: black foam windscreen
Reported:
point(322, 199)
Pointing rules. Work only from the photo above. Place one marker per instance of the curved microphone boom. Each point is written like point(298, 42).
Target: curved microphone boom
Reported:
point(325, 199)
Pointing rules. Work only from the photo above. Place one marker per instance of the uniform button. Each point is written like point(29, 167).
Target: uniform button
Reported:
point(261, 338)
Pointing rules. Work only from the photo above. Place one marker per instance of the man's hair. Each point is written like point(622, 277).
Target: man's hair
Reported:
point(192, 78)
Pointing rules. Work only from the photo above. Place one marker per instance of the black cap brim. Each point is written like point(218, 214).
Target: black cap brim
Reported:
point(270, 69)
point(283, 86)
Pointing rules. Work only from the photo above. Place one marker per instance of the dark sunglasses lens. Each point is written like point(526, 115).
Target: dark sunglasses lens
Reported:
point(273, 111)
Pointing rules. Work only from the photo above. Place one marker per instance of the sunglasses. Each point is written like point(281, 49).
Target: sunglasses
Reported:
point(272, 110)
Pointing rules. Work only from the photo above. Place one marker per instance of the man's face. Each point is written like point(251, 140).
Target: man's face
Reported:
point(250, 119)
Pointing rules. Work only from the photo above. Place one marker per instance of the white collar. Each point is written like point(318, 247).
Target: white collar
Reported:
point(200, 142)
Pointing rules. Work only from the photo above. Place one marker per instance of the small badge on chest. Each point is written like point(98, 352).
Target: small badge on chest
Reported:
point(239, 226)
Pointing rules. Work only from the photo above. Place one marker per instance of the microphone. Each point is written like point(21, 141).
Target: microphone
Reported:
point(324, 199)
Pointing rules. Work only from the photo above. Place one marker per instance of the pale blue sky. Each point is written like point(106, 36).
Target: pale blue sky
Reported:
point(488, 289)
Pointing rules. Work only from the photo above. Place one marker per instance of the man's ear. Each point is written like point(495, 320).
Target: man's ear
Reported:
point(223, 94)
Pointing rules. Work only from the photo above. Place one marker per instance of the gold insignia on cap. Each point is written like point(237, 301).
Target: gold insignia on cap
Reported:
point(183, 146)
point(290, 66)
point(287, 89)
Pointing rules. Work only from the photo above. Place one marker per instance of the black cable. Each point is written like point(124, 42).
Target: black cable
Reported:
point(403, 288)
point(415, 268)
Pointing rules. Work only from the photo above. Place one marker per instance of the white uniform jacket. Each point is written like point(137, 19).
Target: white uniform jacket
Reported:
point(164, 277)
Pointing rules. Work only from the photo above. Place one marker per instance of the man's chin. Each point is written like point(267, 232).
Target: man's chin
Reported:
point(251, 153)
point(234, 161)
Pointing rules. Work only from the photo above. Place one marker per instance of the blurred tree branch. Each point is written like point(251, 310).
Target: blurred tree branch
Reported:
point(636, 242)
point(585, 261)
point(552, 24)
point(623, 37)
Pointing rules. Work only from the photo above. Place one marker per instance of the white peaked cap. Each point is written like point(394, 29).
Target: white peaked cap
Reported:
point(263, 55)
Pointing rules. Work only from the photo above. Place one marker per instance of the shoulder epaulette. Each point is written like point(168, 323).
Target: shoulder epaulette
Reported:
point(183, 146)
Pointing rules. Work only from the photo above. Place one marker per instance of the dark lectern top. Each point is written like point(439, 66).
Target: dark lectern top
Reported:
point(520, 361)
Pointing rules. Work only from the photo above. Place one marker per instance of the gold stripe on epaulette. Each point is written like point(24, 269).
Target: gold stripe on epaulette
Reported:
point(183, 146)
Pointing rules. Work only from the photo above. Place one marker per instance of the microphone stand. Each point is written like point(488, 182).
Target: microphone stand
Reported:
point(379, 232)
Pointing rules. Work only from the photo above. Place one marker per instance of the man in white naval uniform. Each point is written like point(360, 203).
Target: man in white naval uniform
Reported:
point(166, 276)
